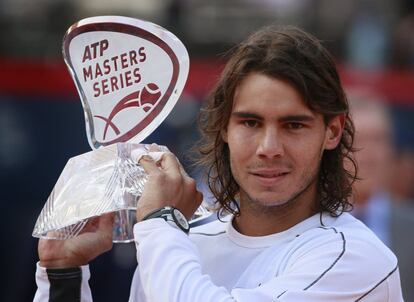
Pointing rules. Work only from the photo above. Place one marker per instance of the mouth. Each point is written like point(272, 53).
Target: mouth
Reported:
point(269, 174)
point(269, 177)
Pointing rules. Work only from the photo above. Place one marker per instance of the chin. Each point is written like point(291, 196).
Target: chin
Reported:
point(274, 203)
point(269, 200)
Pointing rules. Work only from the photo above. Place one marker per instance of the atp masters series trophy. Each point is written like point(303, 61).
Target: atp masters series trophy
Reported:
point(129, 74)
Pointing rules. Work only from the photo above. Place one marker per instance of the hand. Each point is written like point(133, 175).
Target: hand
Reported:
point(168, 185)
point(95, 239)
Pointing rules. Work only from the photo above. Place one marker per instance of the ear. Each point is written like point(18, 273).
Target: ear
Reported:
point(334, 131)
point(223, 133)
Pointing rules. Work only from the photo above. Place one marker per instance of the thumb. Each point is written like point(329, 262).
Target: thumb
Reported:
point(106, 222)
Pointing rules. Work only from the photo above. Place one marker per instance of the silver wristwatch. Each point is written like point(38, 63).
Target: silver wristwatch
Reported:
point(171, 215)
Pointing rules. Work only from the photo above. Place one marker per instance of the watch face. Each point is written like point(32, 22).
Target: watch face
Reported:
point(181, 220)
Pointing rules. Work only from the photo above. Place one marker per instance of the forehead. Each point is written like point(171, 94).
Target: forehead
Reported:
point(259, 93)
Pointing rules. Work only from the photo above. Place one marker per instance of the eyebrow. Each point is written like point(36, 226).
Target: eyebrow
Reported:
point(287, 118)
point(241, 114)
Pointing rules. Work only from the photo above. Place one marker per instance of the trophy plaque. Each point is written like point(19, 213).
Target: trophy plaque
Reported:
point(129, 75)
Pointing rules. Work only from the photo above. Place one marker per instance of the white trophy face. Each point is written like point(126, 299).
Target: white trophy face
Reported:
point(129, 74)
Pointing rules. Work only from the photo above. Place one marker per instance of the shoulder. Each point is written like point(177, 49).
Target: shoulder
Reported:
point(348, 245)
point(353, 238)
point(342, 244)
point(344, 251)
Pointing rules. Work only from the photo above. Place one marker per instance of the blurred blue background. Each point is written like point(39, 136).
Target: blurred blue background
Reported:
point(41, 117)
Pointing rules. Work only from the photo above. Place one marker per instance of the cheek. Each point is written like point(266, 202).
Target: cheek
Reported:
point(238, 152)
point(306, 151)
point(241, 154)
point(240, 145)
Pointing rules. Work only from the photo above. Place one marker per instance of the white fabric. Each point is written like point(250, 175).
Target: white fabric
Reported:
point(320, 259)
point(339, 260)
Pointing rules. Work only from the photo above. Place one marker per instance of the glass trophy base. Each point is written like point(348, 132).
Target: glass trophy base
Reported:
point(98, 182)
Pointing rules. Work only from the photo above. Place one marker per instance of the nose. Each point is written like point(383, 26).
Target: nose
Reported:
point(270, 144)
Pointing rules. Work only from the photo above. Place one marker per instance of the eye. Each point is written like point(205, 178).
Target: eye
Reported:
point(251, 123)
point(294, 126)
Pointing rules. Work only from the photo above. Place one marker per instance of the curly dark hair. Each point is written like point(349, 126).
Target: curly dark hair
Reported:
point(289, 54)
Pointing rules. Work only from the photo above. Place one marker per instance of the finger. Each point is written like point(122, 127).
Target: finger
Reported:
point(149, 164)
point(174, 162)
point(170, 163)
point(90, 226)
point(101, 240)
point(180, 167)
point(106, 221)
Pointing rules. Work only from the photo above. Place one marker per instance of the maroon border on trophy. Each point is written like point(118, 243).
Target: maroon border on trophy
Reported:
point(75, 30)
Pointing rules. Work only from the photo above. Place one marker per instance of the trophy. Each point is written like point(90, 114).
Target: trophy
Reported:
point(129, 74)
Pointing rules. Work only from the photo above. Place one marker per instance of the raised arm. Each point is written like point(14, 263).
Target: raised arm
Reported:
point(62, 273)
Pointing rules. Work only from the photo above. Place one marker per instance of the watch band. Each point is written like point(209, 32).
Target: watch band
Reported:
point(171, 215)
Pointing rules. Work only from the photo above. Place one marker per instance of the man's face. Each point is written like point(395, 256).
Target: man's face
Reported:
point(276, 142)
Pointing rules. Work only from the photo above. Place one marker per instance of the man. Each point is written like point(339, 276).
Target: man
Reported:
point(276, 133)
point(391, 221)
